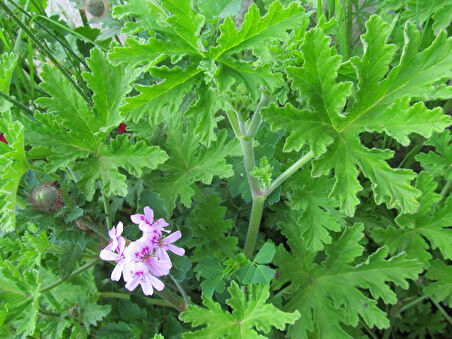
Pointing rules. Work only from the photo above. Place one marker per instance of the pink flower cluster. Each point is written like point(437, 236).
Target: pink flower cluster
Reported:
point(144, 260)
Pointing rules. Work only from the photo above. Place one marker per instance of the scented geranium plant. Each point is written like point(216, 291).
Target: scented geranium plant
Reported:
point(226, 169)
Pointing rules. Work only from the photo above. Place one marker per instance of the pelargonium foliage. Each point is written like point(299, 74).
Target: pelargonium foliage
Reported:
point(226, 169)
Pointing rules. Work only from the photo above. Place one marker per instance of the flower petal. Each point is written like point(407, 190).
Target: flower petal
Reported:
point(161, 223)
point(173, 237)
point(149, 213)
point(117, 271)
point(132, 284)
point(146, 285)
point(121, 245)
point(176, 250)
point(108, 255)
point(162, 254)
point(157, 283)
point(119, 229)
point(137, 218)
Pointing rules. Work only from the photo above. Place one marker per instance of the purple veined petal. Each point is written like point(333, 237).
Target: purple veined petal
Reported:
point(173, 237)
point(146, 285)
point(132, 284)
point(162, 254)
point(112, 233)
point(157, 283)
point(176, 250)
point(127, 271)
point(117, 271)
point(119, 229)
point(146, 228)
point(161, 223)
point(159, 268)
point(137, 218)
point(121, 245)
point(149, 213)
point(108, 255)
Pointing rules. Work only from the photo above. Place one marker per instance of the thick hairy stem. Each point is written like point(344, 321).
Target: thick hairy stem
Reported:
point(253, 228)
point(250, 164)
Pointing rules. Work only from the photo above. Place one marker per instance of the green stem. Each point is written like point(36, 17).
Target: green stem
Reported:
point(412, 303)
point(16, 103)
point(441, 309)
point(106, 208)
point(253, 228)
point(73, 274)
point(250, 163)
point(177, 302)
point(256, 119)
point(288, 172)
point(123, 296)
point(445, 189)
point(181, 290)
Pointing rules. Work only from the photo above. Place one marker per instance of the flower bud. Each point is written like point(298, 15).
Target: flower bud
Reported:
point(96, 8)
point(46, 198)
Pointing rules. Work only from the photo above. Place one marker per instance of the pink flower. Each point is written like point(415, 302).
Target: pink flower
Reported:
point(147, 223)
point(115, 237)
point(115, 251)
point(139, 274)
point(142, 251)
point(166, 244)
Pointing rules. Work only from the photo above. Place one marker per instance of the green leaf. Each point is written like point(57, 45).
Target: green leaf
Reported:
point(440, 289)
point(219, 9)
point(265, 254)
point(430, 222)
point(110, 84)
point(168, 93)
point(118, 154)
point(381, 104)
point(7, 63)
point(319, 213)
point(92, 313)
point(185, 22)
point(249, 315)
point(69, 258)
point(329, 294)
point(14, 164)
point(146, 15)
point(190, 162)
point(210, 231)
point(211, 270)
point(256, 31)
point(439, 162)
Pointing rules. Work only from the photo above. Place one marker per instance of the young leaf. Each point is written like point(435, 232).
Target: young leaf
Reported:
point(324, 303)
point(265, 254)
point(249, 315)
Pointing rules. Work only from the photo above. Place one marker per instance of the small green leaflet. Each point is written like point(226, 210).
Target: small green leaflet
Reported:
point(250, 315)
point(438, 163)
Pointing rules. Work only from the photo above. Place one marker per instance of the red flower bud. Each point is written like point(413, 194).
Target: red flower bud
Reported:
point(2, 138)
point(121, 128)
